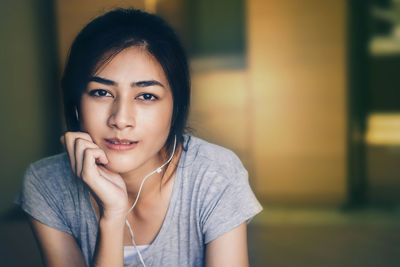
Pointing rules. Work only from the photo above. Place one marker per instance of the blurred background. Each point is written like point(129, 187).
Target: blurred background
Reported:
point(306, 92)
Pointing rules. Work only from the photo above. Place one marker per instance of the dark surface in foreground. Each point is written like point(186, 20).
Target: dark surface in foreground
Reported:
point(278, 239)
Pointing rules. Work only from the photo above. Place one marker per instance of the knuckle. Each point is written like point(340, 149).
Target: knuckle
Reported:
point(68, 136)
point(79, 142)
point(89, 152)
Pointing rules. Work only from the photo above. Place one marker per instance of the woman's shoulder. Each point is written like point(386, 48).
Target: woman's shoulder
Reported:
point(217, 184)
point(49, 192)
point(51, 165)
point(55, 170)
point(198, 147)
point(204, 156)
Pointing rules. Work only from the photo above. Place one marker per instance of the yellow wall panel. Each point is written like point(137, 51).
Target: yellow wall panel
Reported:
point(219, 108)
point(297, 69)
point(73, 15)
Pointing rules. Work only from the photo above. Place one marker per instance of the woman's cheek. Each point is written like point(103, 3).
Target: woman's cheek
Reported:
point(155, 120)
point(94, 117)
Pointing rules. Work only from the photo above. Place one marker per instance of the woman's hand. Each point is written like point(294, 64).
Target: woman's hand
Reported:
point(88, 163)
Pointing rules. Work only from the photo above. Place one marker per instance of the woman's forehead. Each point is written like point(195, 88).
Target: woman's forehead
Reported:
point(132, 64)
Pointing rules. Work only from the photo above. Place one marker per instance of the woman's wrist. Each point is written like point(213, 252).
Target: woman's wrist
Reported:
point(110, 243)
point(112, 219)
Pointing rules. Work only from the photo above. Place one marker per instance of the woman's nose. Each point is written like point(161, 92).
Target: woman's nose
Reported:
point(122, 115)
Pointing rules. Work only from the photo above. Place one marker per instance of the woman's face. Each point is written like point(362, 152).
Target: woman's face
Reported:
point(127, 110)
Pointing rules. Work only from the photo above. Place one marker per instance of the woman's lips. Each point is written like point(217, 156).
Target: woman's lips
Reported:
point(120, 144)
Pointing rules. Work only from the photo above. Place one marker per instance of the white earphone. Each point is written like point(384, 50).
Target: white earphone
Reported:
point(158, 170)
point(76, 114)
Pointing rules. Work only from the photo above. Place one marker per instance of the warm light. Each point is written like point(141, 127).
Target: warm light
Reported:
point(150, 6)
point(383, 129)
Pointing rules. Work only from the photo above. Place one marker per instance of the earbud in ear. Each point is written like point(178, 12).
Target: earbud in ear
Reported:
point(76, 114)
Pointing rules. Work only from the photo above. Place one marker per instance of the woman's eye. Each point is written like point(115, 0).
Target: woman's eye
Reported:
point(99, 93)
point(147, 97)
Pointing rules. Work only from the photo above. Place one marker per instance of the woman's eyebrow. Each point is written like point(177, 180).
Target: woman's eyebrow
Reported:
point(102, 80)
point(133, 84)
point(146, 83)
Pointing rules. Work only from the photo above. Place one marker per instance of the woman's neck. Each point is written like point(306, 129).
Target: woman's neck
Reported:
point(155, 181)
point(134, 179)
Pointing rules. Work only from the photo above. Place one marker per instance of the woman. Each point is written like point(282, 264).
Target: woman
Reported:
point(133, 189)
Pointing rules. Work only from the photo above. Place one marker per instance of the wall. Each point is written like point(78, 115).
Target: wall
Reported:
point(73, 15)
point(297, 69)
point(29, 105)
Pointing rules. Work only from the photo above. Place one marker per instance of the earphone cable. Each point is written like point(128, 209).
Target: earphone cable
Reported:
point(150, 174)
point(158, 170)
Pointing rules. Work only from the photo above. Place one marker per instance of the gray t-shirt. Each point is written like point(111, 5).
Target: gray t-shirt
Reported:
point(211, 195)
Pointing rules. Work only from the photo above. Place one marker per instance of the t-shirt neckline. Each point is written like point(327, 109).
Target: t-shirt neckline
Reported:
point(171, 205)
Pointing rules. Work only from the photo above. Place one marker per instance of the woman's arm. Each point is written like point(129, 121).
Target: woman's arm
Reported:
point(230, 249)
point(56, 247)
point(109, 246)
point(87, 161)
point(60, 249)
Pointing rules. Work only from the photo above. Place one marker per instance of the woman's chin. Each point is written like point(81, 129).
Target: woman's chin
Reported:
point(118, 168)
point(120, 163)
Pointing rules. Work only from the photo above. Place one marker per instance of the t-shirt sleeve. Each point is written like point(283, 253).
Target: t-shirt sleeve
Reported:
point(229, 202)
point(42, 200)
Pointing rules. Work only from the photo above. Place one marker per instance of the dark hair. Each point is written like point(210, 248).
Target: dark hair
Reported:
point(109, 34)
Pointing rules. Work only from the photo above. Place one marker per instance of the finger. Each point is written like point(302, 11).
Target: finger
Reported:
point(111, 176)
point(62, 140)
point(80, 146)
point(69, 140)
point(90, 170)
